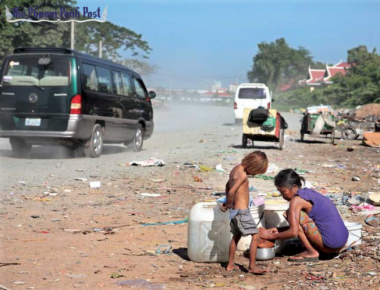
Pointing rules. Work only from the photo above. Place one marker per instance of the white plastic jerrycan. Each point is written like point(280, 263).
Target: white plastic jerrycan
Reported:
point(209, 233)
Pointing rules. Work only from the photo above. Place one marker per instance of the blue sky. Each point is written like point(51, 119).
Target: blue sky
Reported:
point(195, 41)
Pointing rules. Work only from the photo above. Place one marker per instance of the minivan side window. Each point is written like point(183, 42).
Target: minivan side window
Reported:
point(104, 78)
point(126, 84)
point(117, 83)
point(90, 79)
point(140, 88)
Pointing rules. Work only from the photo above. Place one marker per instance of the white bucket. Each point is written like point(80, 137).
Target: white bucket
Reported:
point(274, 210)
point(354, 233)
point(258, 215)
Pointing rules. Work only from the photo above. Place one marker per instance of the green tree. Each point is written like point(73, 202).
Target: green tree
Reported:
point(140, 66)
point(278, 63)
point(361, 84)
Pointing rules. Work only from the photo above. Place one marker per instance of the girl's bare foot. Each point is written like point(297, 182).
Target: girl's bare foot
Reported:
point(305, 254)
point(232, 268)
point(258, 270)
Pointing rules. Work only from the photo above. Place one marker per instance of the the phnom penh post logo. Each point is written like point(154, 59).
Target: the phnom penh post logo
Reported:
point(34, 14)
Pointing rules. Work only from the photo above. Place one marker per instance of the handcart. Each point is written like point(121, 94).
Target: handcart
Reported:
point(352, 128)
point(270, 129)
point(308, 124)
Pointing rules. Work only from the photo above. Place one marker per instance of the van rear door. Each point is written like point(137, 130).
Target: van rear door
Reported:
point(251, 97)
point(36, 92)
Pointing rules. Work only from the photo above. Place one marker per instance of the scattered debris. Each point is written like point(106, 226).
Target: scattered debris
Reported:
point(95, 184)
point(150, 194)
point(141, 284)
point(146, 163)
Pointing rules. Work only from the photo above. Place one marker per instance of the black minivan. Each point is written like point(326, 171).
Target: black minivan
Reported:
point(61, 96)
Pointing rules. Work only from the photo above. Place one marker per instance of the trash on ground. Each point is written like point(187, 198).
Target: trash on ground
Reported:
point(203, 168)
point(218, 194)
point(264, 177)
point(272, 168)
point(95, 184)
point(301, 171)
point(150, 194)
point(356, 178)
point(81, 179)
point(19, 283)
point(191, 165)
point(328, 165)
point(116, 275)
point(373, 221)
point(141, 284)
point(363, 207)
point(229, 158)
point(75, 276)
point(157, 180)
point(219, 168)
point(167, 223)
point(163, 249)
point(197, 179)
point(146, 163)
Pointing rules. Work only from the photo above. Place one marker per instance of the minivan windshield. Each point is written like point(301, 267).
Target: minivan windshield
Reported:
point(26, 71)
point(252, 93)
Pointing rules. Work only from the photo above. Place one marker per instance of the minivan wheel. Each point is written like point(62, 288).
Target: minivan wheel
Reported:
point(95, 148)
point(19, 147)
point(138, 139)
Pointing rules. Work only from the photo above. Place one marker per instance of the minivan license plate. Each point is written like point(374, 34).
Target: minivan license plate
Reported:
point(32, 122)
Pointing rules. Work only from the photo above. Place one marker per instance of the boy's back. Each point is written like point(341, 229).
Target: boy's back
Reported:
point(239, 178)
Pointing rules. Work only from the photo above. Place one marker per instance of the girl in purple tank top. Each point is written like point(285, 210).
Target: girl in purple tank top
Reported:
point(312, 217)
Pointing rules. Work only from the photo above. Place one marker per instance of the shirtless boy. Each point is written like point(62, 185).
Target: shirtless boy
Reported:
point(242, 223)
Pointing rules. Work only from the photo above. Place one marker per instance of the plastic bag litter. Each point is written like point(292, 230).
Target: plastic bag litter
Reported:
point(150, 194)
point(272, 168)
point(95, 184)
point(150, 162)
point(219, 168)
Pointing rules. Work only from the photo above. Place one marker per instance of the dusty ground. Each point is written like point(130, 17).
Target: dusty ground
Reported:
point(82, 237)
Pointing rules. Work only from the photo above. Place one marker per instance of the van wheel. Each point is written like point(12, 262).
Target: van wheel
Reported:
point(19, 147)
point(138, 139)
point(95, 148)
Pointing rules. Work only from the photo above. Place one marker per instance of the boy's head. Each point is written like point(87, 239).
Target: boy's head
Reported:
point(255, 163)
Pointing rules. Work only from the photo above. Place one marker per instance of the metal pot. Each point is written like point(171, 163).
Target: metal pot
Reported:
point(264, 254)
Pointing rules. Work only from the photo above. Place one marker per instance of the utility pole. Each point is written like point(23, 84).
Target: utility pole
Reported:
point(72, 35)
point(100, 49)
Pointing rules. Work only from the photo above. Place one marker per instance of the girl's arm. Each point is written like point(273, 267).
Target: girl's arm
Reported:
point(294, 213)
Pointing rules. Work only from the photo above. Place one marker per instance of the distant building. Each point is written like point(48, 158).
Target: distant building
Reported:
point(318, 77)
point(233, 88)
point(216, 85)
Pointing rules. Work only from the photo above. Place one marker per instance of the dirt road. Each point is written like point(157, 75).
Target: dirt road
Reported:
point(62, 234)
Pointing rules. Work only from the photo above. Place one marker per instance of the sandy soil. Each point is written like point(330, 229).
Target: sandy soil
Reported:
point(61, 234)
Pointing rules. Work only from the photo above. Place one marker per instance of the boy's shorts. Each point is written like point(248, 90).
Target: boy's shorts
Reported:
point(242, 224)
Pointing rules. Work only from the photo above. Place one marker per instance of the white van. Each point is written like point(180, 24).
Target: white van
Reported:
point(251, 95)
